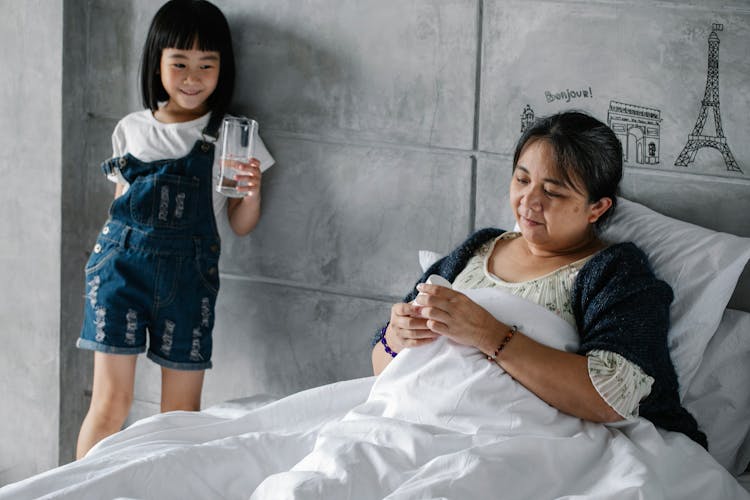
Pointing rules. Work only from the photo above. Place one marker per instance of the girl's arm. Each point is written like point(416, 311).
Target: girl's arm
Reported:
point(244, 213)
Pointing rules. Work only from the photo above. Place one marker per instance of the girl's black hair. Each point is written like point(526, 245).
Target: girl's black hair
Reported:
point(181, 24)
point(586, 152)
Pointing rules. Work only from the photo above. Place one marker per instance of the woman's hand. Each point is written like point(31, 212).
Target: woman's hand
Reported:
point(451, 313)
point(407, 328)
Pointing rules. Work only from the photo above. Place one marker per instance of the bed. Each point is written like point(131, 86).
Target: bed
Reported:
point(441, 422)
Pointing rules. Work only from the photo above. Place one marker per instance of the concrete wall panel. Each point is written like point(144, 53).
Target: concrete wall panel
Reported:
point(352, 217)
point(399, 71)
point(492, 201)
point(30, 194)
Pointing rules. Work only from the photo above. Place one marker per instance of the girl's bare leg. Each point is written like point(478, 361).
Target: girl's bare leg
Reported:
point(111, 398)
point(181, 389)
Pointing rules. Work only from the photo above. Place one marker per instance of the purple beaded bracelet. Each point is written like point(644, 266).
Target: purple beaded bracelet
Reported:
point(385, 344)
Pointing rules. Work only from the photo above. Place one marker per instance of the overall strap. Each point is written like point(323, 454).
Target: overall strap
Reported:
point(211, 131)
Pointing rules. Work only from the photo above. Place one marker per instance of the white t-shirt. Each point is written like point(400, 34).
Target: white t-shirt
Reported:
point(148, 139)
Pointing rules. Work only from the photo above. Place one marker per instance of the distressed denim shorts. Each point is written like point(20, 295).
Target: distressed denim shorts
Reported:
point(140, 286)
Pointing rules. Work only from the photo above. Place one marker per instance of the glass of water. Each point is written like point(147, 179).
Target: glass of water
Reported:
point(237, 146)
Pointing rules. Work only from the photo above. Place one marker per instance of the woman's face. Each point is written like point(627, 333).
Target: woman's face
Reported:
point(551, 214)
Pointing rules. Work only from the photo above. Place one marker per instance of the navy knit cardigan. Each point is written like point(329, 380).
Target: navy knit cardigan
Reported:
point(619, 306)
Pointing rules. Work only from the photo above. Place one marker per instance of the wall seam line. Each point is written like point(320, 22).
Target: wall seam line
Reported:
point(477, 117)
point(311, 288)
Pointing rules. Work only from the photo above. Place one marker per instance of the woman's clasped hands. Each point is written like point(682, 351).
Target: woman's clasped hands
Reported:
point(439, 310)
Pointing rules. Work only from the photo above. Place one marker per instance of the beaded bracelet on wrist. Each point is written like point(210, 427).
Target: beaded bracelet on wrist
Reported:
point(385, 344)
point(503, 343)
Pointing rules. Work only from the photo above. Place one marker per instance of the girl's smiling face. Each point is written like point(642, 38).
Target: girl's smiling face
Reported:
point(552, 214)
point(189, 77)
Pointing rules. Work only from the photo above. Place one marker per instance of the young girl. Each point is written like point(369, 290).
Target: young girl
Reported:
point(154, 266)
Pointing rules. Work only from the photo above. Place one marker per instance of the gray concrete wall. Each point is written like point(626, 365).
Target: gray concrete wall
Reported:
point(392, 123)
point(30, 229)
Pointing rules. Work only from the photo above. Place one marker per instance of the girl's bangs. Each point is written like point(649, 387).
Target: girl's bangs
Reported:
point(186, 36)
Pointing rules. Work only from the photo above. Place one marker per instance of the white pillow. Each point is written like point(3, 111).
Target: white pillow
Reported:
point(718, 397)
point(702, 267)
point(428, 258)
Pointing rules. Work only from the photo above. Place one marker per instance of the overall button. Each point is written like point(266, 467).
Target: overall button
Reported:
point(212, 271)
point(105, 230)
point(214, 248)
point(205, 147)
point(123, 162)
point(97, 248)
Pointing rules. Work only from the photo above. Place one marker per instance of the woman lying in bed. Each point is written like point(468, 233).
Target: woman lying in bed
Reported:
point(566, 170)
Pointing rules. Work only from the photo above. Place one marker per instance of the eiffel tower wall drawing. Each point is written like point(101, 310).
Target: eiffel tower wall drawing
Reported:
point(699, 137)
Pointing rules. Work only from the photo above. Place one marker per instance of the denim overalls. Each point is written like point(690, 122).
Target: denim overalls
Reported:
point(154, 267)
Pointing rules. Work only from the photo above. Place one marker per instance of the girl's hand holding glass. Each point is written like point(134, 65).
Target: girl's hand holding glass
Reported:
point(240, 172)
point(248, 177)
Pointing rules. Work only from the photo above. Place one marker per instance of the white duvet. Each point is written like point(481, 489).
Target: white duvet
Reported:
point(439, 422)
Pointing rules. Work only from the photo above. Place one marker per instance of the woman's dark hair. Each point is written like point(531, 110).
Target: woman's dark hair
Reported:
point(183, 24)
point(586, 153)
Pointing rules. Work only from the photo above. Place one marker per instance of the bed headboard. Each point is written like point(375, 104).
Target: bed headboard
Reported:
point(741, 298)
point(717, 203)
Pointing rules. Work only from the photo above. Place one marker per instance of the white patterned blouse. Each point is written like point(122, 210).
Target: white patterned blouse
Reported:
point(621, 383)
